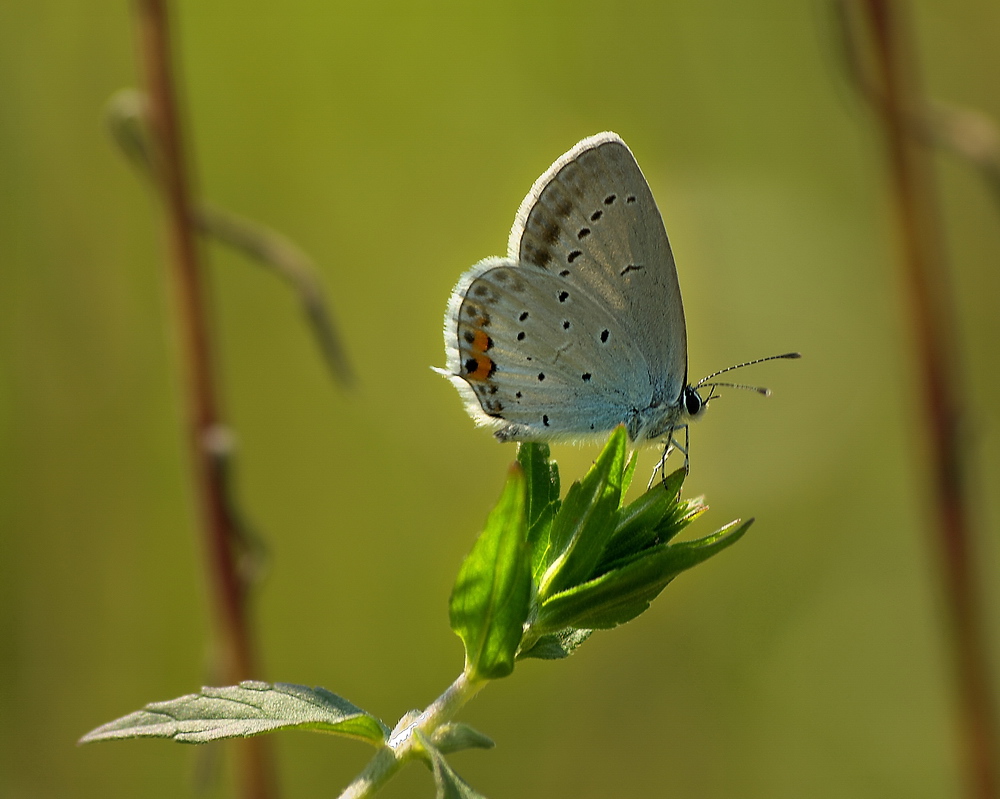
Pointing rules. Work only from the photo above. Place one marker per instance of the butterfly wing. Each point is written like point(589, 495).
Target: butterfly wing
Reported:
point(537, 359)
point(591, 220)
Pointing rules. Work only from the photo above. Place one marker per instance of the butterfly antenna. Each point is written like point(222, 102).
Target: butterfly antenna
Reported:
point(705, 380)
point(759, 389)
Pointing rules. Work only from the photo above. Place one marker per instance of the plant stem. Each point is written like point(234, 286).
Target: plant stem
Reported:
point(205, 428)
point(925, 271)
point(403, 744)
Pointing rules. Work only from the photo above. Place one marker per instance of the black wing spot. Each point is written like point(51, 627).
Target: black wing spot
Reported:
point(630, 199)
point(545, 419)
point(520, 336)
point(586, 377)
point(596, 215)
point(541, 376)
point(518, 395)
point(523, 316)
point(563, 296)
point(564, 273)
point(537, 255)
point(630, 268)
point(471, 365)
point(572, 257)
point(565, 324)
point(469, 337)
point(605, 334)
point(610, 199)
point(583, 233)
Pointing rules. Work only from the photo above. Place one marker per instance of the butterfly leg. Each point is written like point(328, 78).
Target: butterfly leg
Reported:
point(684, 449)
point(661, 466)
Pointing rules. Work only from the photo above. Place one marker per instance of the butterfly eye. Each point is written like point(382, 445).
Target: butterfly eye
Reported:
point(692, 402)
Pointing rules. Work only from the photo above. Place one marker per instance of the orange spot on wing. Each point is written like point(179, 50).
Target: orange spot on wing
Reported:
point(484, 367)
point(481, 342)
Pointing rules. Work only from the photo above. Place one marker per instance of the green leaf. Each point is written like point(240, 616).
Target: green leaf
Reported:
point(542, 476)
point(630, 466)
point(239, 711)
point(449, 784)
point(621, 594)
point(639, 529)
point(585, 521)
point(555, 646)
point(455, 736)
point(542, 479)
point(489, 602)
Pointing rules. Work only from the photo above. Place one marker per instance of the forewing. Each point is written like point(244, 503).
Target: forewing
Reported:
point(591, 221)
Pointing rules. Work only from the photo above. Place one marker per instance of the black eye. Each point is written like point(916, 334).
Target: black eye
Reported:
point(692, 401)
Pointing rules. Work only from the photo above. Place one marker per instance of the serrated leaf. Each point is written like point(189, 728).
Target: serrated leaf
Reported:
point(449, 784)
point(455, 736)
point(585, 521)
point(621, 594)
point(555, 646)
point(239, 711)
point(489, 602)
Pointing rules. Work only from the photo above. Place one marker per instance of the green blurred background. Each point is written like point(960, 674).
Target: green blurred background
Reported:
point(394, 142)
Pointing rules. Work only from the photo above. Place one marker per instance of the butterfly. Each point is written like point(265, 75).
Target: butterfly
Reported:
point(581, 326)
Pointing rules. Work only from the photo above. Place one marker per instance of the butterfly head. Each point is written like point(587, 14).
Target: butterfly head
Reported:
point(694, 405)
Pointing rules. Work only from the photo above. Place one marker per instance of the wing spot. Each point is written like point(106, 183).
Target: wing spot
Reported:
point(596, 215)
point(479, 367)
point(565, 324)
point(572, 257)
point(563, 296)
point(630, 268)
point(518, 395)
point(605, 334)
point(584, 232)
point(551, 233)
point(586, 377)
point(610, 199)
point(564, 273)
point(523, 316)
point(541, 376)
point(545, 419)
point(520, 336)
point(630, 199)
point(537, 255)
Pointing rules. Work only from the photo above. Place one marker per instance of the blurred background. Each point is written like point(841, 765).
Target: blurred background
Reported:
point(393, 142)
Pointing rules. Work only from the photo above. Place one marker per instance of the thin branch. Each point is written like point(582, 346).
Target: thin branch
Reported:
point(890, 81)
point(219, 529)
point(128, 121)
